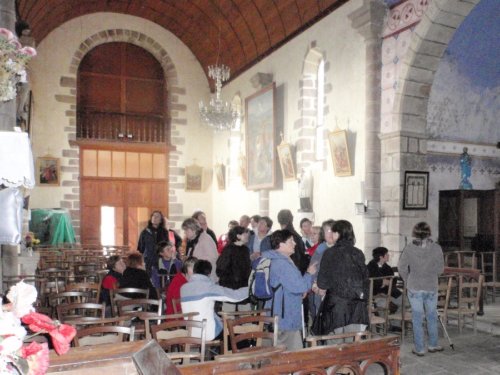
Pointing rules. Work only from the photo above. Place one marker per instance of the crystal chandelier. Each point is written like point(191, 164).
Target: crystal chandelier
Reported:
point(218, 114)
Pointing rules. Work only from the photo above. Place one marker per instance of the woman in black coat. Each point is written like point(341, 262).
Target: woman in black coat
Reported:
point(344, 277)
point(233, 265)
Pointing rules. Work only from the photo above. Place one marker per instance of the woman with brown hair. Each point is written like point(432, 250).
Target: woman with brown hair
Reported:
point(136, 277)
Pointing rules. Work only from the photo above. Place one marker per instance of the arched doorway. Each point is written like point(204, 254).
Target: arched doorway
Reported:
point(122, 133)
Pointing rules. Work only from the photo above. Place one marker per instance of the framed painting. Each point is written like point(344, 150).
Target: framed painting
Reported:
point(416, 190)
point(286, 161)
point(260, 139)
point(48, 171)
point(340, 153)
point(194, 178)
point(220, 173)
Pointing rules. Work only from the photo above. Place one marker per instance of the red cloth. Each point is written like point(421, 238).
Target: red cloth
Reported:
point(174, 292)
point(110, 282)
point(221, 243)
point(312, 249)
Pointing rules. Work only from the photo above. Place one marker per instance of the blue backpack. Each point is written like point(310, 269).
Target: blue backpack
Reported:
point(259, 285)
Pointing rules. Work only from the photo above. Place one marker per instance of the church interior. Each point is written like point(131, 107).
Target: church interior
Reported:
point(384, 113)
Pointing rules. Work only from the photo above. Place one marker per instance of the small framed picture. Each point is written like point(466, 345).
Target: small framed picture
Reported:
point(286, 161)
point(340, 153)
point(194, 178)
point(416, 190)
point(48, 171)
point(220, 175)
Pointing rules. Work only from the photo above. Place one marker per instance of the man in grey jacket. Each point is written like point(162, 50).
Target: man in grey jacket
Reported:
point(419, 266)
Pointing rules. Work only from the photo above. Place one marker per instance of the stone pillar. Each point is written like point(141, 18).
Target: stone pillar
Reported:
point(368, 20)
point(7, 109)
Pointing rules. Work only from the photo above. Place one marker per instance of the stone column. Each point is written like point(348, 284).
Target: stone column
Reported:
point(7, 109)
point(368, 20)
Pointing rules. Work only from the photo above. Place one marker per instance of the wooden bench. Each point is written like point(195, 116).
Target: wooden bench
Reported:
point(116, 359)
point(356, 357)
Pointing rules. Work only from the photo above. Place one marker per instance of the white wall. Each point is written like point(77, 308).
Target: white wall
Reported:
point(334, 197)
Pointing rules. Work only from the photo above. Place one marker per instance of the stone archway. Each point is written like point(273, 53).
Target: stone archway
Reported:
point(176, 115)
point(405, 147)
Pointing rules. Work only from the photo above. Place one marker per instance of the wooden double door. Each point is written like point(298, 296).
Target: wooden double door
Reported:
point(118, 191)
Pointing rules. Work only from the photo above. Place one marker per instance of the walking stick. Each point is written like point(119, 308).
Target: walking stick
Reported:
point(446, 332)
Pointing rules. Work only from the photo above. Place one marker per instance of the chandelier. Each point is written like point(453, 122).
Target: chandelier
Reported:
point(218, 114)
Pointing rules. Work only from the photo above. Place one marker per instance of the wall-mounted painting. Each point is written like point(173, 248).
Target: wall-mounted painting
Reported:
point(220, 174)
point(416, 190)
point(47, 169)
point(260, 140)
point(340, 153)
point(194, 178)
point(286, 161)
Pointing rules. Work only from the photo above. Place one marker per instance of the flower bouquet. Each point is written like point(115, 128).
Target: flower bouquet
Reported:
point(13, 60)
point(16, 356)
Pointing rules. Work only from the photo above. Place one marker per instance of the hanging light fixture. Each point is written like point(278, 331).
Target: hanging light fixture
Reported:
point(218, 114)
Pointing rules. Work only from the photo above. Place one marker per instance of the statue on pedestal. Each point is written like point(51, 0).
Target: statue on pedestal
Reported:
point(305, 190)
point(465, 170)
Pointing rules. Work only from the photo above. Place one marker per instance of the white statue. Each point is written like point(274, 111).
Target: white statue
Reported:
point(305, 190)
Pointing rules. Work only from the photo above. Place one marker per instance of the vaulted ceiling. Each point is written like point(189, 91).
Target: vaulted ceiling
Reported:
point(246, 30)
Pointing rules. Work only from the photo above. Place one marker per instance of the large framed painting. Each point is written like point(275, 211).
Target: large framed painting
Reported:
point(340, 153)
point(260, 139)
point(47, 169)
point(416, 190)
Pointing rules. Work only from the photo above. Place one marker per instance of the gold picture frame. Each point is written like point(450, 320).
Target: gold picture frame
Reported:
point(340, 153)
point(220, 175)
point(48, 171)
point(286, 162)
point(194, 178)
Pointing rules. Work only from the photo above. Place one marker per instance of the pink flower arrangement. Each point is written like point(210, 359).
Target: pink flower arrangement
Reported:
point(33, 358)
point(13, 60)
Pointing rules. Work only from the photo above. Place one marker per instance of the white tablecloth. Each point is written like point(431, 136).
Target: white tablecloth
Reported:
point(16, 160)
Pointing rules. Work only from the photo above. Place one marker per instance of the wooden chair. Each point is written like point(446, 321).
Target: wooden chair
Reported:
point(403, 315)
point(183, 335)
point(176, 302)
point(122, 294)
point(86, 322)
point(137, 309)
point(70, 311)
point(460, 259)
point(226, 315)
point(378, 305)
point(103, 335)
point(151, 319)
point(252, 328)
point(313, 341)
point(469, 293)
point(445, 284)
point(489, 262)
point(93, 289)
point(65, 298)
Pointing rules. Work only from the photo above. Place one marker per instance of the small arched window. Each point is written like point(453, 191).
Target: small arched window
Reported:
point(320, 111)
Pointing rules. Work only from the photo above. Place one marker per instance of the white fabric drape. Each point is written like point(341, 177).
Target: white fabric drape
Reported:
point(16, 160)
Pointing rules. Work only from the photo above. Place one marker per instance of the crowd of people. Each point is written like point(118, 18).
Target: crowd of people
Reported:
point(319, 278)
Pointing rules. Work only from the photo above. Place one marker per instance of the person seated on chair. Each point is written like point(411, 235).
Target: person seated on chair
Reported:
point(378, 267)
point(173, 291)
point(200, 293)
point(135, 276)
point(112, 280)
point(168, 264)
